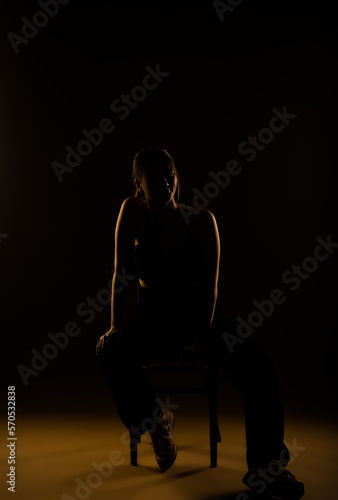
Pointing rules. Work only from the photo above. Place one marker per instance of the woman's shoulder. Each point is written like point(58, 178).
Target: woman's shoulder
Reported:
point(133, 211)
point(201, 223)
point(131, 218)
point(133, 203)
point(196, 216)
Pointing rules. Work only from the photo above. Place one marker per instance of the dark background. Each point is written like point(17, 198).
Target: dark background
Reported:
point(225, 79)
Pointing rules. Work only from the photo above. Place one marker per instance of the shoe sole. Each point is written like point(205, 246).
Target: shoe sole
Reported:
point(163, 469)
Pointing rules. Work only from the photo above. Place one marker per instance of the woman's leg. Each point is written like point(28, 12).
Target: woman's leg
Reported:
point(252, 371)
point(122, 365)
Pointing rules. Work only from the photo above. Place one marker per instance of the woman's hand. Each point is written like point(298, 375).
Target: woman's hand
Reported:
point(192, 353)
point(114, 337)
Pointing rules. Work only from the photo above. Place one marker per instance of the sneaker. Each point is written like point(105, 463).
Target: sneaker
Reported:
point(164, 446)
point(276, 482)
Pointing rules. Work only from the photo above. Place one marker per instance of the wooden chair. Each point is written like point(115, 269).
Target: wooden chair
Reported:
point(209, 388)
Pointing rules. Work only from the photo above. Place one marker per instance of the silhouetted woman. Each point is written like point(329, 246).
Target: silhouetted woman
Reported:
point(173, 252)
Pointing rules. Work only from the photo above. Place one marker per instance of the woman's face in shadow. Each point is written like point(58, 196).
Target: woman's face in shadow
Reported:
point(160, 184)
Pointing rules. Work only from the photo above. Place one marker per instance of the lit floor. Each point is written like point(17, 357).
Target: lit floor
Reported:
point(55, 456)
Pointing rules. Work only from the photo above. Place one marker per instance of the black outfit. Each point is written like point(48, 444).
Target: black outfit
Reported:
point(165, 322)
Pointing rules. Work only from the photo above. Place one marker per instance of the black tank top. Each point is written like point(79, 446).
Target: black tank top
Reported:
point(158, 271)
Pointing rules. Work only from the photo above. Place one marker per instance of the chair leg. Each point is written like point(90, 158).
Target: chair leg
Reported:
point(133, 449)
point(215, 437)
point(213, 426)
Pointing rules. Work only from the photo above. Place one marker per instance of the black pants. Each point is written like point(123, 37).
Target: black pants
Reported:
point(163, 325)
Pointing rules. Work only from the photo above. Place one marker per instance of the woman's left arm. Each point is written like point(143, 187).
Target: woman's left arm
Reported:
point(209, 243)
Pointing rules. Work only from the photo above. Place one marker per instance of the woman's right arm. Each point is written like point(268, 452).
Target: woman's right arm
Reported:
point(125, 233)
point(123, 267)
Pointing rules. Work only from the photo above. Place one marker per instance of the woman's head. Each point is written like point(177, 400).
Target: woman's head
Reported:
point(155, 175)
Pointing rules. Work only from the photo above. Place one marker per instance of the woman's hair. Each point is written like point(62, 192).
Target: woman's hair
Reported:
point(147, 159)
